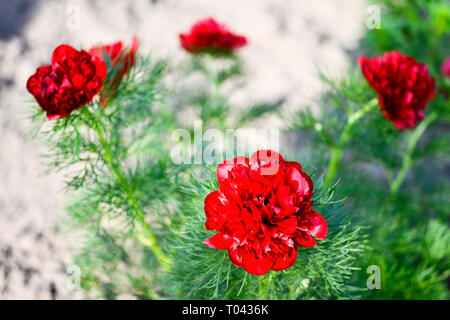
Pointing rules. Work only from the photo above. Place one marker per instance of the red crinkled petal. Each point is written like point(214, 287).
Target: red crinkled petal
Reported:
point(122, 58)
point(224, 168)
point(35, 83)
point(54, 116)
point(235, 258)
point(305, 240)
point(239, 41)
point(264, 157)
point(134, 44)
point(266, 162)
point(287, 226)
point(300, 180)
point(114, 50)
point(219, 241)
point(284, 262)
point(184, 41)
point(62, 53)
point(257, 265)
point(318, 228)
point(284, 197)
point(214, 208)
point(100, 67)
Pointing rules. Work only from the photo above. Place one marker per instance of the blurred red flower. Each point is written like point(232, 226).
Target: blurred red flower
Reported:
point(445, 68)
point(263, 212)
point(209, 36)
point(404, 86)
point(119, 59)
point(70, 82)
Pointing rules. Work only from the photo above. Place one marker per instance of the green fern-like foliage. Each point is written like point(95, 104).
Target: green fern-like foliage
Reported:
point(200, 272)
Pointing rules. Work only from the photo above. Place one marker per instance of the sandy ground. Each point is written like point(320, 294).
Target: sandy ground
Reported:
point(288, 41)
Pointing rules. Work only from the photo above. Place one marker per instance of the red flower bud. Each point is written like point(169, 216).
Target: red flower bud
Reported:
point(263, 212)
point(120, 58)
point(70, 82)
point(404, 86)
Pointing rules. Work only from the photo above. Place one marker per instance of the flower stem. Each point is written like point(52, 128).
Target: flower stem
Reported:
point(216, 96)
point(407, 157)
point(147, 237)
point(264, 287)
point(336, 151)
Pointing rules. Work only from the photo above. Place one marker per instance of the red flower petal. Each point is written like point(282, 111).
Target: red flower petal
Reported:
point(214, 208)
point(285, 262)
point(63, 55)
point(266, 162)
point(235, 258)
point(288, 226)
point(301, 181)
point(284, 197)
point(35, 84)
point(256, 265)
point(54, 116)
point(224, 168)
point(121, 59)
point(219, 241)
point(100, 67)
point(305, 240)
point(319, 228)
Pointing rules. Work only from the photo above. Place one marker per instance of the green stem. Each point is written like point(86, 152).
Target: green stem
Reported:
point(266, 281)
point(217, 102)
point(147, 237)
point(407, 157)
point(336, 151)
point(216, 96)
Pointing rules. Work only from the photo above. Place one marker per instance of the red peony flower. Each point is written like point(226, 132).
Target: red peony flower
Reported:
point(208, 35)
point(121, 59)
point(263, 212)
point(445, 68)
point(70, 82)
point(404, 86)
